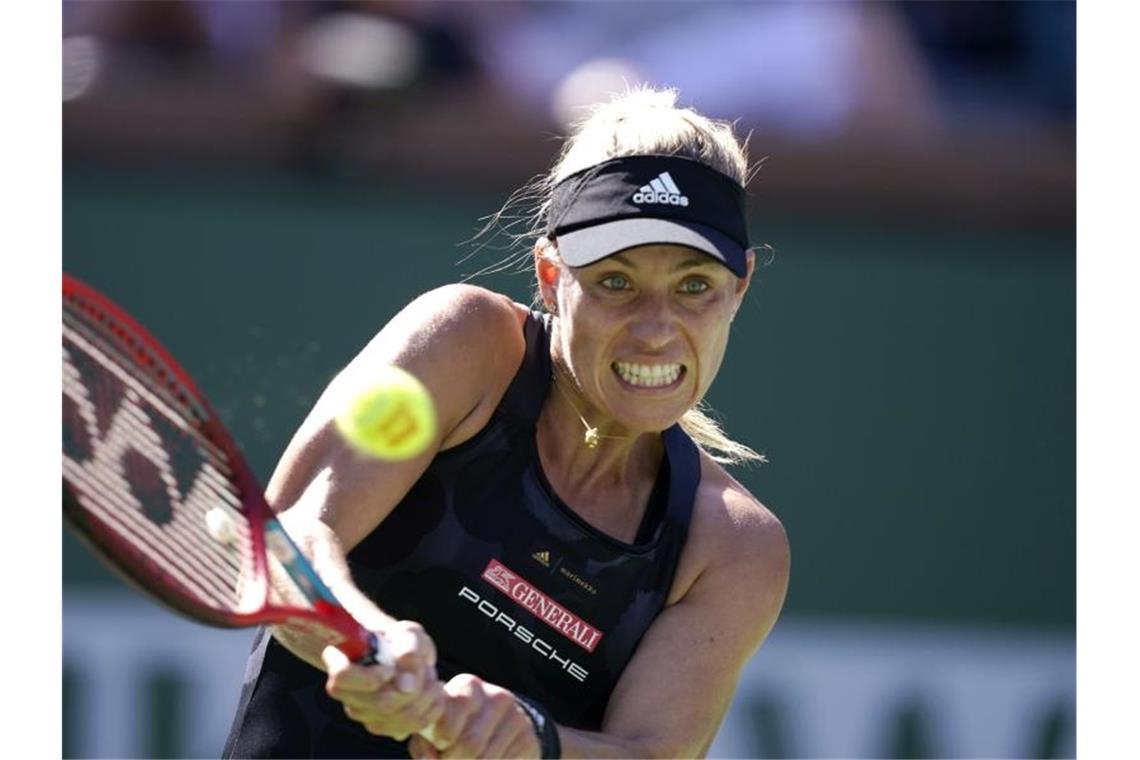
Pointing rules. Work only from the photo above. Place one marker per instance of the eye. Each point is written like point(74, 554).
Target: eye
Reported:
point(615, 282)
point(694, 286)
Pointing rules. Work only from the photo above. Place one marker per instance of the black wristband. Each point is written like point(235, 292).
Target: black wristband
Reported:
point(544, 728)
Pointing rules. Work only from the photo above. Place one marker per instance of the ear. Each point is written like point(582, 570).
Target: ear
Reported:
point(547, 268)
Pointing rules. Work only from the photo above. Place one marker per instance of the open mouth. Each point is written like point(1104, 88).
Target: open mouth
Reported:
point(663, 375)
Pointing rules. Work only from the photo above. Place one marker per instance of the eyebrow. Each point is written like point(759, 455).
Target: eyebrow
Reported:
point(694, 261)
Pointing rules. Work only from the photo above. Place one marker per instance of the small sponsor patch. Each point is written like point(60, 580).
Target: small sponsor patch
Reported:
point(541, 606)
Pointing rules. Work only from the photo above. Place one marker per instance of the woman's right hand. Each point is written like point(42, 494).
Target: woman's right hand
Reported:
point(399, 697)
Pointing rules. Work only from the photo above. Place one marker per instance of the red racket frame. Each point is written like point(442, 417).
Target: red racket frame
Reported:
point(159, 371)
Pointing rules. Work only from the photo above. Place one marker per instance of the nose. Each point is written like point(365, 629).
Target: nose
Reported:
point(655, 324)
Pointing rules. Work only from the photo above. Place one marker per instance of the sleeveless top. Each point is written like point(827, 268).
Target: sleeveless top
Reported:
point(510, 583)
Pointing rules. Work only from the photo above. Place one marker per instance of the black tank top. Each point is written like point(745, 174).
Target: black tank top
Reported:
point(508, 581)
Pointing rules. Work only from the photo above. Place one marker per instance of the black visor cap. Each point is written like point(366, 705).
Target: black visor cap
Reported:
point(649, 200)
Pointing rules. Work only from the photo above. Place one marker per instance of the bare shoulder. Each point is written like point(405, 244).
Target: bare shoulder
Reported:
point(465, 343)
point(732, 535)
point(463, 312)
point(452, 333)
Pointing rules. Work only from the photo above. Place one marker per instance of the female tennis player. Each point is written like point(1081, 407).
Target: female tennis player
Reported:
point(569, 570)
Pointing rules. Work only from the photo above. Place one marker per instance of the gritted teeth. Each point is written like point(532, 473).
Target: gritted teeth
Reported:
point(648, 375)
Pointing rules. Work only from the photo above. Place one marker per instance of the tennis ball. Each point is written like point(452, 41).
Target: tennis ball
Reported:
point(393, 419)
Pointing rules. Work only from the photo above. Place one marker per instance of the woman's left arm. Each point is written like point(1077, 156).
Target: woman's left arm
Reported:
point(675, 691)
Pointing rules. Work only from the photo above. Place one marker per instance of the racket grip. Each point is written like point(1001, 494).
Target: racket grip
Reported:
point(374, 654)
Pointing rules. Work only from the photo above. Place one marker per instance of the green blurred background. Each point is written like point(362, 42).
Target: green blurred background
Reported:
point(913, 386)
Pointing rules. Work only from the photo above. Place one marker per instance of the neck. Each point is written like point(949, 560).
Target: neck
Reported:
point(619, 461)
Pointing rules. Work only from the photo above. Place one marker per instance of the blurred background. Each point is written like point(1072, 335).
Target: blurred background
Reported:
point(263, 184)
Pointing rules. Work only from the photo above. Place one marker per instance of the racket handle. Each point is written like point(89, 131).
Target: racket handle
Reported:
point(366, 649)
point(363, 651)
point(374, 654)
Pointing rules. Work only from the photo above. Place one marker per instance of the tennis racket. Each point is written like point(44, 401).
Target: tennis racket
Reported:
point(155, 486)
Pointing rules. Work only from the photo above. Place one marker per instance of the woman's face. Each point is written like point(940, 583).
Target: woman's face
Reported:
point(644, 331)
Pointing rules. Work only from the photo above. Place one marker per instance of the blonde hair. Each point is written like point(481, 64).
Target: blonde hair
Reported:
point(642, 120)
point(647, 120)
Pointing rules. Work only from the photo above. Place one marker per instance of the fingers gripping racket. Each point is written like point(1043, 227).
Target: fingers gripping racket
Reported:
point(157, 489)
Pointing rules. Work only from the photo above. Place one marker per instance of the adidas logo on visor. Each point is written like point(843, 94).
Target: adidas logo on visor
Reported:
point(661, 190)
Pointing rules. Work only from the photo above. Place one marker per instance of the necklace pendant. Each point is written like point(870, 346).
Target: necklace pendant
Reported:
point(592, 438)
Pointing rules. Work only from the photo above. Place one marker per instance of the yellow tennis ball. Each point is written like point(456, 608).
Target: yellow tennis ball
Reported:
point(393, 419)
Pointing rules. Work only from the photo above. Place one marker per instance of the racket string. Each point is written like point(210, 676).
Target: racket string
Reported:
point(183, 551)
point(181, 546)
point(104, 357)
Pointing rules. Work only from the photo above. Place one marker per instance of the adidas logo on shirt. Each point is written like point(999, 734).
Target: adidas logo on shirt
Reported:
point(661, 190)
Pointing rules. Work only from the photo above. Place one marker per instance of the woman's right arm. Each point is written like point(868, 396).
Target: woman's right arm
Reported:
point(465, 344)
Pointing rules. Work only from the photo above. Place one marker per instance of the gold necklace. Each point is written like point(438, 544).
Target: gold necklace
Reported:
point(592, 437)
